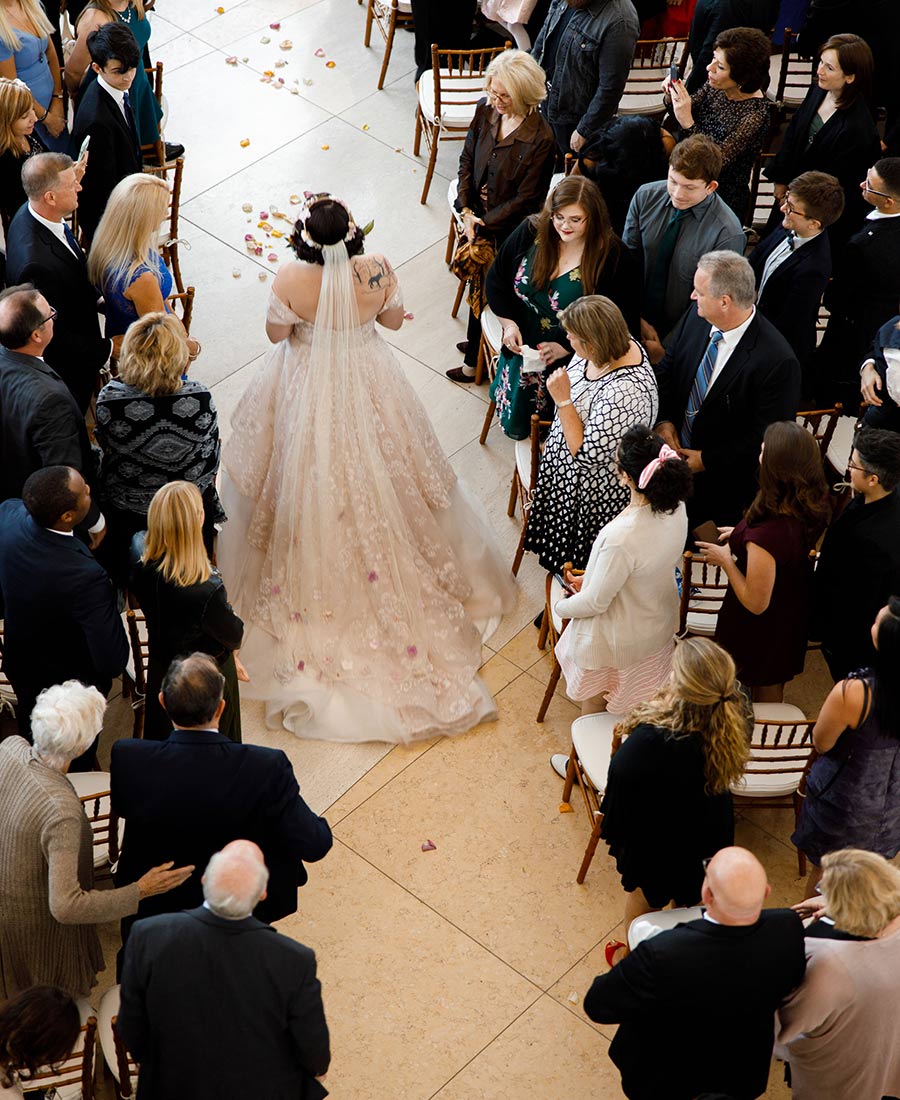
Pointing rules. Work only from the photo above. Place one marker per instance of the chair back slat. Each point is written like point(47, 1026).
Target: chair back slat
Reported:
point(821, 423)
point(649, 68)
point(75, 1071)
point(795, 76)
point(703, 588)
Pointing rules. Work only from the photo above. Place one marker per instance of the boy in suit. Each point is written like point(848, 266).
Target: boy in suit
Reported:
point(105, 116)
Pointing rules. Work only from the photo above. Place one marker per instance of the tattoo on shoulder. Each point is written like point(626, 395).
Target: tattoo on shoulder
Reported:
point(374, 272)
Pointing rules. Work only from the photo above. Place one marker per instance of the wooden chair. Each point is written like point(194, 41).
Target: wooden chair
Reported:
point(121, 1065)
point(762, 198)
point(488, 357)
point(154, 152)
point(594, 741)
point(182, 305)
point(781, 753)
point(74, 1072)
point(649, 68)
point(94, 791)
point(168, 239)
point(447, 95)
point(822, 319)
point(552, 627)
point(387, 15)
point(8, 699)
point(524, 479)
point(454, 236)
point(134, 678)
point(795, 76)
point(703, 587)
point(821, 423)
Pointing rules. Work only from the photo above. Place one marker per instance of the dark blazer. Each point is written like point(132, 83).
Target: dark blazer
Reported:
point(61, 621)
point(791, 296)
point(115, 152)
point(216, 1009)
point(40, 425)
point(696, 1006)
point(858, 568)
point(516, 171)
point(886, 415)
point(187, 797)
point(759, 384)
point(77, 350)
point(846, 146)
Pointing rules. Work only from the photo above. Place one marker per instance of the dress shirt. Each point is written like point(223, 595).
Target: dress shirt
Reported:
point(728, 343)
point(875, 215)
point(56, 228)
point(118, 96)
point(707, 227)
point(788, 247)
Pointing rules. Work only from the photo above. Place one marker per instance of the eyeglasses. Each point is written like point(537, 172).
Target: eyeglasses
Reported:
point(500, 98)
point(862, 469)
point(789, 208)
point(872, 190)
point(706, 862)
point(53, 315)
point(560, 219)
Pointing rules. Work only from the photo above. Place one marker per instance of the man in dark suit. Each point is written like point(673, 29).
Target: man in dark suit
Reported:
point(726, 376)
point(859, 564)
point(40, 424)
point(864, 291)
point(216, 1005)
point(104, 115)
point(196, 791)
point(40, 249)
point(696, 1005)
point(61, 621)
point(793, 264)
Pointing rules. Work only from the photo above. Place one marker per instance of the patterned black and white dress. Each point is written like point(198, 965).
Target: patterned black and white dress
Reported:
point(576, 495)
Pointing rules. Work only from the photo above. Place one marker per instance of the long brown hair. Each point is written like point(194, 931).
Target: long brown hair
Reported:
point(791, 479)
point(15, 103)
point(855, 59)
point(600, 242)
point(702, 700)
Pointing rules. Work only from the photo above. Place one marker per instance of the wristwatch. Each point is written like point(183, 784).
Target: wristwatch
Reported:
point(562, 404)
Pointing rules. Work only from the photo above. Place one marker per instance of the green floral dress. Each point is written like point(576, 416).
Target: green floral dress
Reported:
point(517, 396)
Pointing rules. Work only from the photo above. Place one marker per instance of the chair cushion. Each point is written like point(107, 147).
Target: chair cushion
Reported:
point(453, 112)
point(651, 924)
point(703, 625)
point(492, 329)
point(523, 461)
point(109, 1007)
point(592, 736)
point(838, 454)
point(557, 593)
point(778, 712)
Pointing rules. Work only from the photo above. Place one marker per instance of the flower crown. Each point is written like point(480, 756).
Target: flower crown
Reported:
point(310, 198)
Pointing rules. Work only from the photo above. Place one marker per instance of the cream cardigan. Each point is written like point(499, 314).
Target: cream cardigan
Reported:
point(627, 608)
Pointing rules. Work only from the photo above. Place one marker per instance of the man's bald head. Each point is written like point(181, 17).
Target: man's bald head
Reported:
point(735, 887)
point(235, 880)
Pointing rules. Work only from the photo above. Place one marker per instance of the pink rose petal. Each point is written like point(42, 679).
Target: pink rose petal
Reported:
point(429, 846)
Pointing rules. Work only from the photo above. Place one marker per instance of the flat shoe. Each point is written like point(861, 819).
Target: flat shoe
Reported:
point(457, 374)
point(462, 347)
point(559, 762)
point(610, 951)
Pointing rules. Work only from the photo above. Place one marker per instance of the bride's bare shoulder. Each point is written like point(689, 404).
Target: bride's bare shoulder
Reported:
point(373, 273)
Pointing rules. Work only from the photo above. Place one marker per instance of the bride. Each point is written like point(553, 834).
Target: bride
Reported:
point(363, 570)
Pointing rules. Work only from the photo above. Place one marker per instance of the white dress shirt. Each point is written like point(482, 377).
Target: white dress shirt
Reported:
point(117, 95)
point(727, 345)
point(56, 228)
point(787, 248)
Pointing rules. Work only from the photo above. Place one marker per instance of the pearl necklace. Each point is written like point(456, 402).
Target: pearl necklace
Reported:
point(126, 15)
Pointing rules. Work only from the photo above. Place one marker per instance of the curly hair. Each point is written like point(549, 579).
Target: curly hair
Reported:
point(327, 223)
point(747, 51)
point(791, 480)
point(703, 700)
point(600, 241)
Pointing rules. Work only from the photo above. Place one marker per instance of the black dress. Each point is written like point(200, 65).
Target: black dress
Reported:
point(183, 620)
point(12, 194)
point(658, 821)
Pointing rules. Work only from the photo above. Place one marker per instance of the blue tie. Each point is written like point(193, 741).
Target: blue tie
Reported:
point(700, 386)
point(129, 117)
point(70, 240)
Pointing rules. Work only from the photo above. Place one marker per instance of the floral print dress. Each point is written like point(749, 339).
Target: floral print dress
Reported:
point(517, 396)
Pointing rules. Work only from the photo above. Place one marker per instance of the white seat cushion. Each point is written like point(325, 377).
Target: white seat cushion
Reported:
point(523, 461)
point(109, 1007)
point(492, 329)
point(651, 924)
point(755, 784)
point(592, 736)
point(557, 593)
point(778, 712)
point(841, 444)
point(458, 99)
point(703, 625)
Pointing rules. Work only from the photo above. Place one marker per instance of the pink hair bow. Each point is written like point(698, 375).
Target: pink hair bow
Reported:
point(665, 454)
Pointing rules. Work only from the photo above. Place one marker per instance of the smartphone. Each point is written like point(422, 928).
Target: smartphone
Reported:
point(673, 72)
point(84, 146)
point(566, 587)
point(706, 532)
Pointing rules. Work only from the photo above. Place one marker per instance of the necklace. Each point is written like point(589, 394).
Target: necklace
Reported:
point(126, 15)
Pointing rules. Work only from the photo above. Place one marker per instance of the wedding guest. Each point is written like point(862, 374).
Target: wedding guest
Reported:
point(37, 1028)
point(27, 52)
point(879, 378)
point(18, 142)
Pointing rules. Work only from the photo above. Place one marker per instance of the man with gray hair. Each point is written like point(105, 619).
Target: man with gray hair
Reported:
point(726, 376)
point(41, 249)
point(215, 980)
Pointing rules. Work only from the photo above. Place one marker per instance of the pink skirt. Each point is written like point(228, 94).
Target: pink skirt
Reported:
point(624, 687)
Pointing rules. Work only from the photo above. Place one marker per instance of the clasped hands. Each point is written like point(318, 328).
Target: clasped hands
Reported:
point(550, 350)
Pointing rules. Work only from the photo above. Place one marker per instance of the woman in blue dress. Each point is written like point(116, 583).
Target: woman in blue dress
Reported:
point(79, 73)
point(27, 53)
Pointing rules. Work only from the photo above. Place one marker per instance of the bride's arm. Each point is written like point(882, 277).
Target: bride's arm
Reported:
point(377, 276)
point(285, 289)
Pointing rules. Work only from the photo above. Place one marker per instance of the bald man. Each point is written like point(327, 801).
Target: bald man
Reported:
point(216, 1005)
point(696, 1005)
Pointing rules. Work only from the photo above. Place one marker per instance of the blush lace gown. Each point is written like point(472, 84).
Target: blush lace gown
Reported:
point(364, 571)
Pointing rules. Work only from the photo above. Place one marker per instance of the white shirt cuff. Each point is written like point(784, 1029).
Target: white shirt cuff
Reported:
point(98, 526)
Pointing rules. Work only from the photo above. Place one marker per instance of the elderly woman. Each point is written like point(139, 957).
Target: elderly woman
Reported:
point(184, 600)
point(731, 109)
point(505, 166)
point(841, 1028)
point(18, 142)
point(37, 1028)
point(608, 386)
point(153, 425)
point(47, 933)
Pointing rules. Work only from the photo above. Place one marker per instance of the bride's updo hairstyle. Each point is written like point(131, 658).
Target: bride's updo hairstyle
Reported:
point(324, 220)
point(668, 479)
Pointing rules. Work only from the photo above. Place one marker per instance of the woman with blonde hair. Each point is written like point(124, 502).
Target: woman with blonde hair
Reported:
point(668, 804)
point(184, 601)
point(18, 142)
point(840, 1029)
point(124, 263)
point(505, 167)
point(27, 52)
point(149, 434)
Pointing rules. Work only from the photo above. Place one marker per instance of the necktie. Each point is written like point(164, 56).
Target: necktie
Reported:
point(791, 238)
point(700, 386)
point(71, 242)
point(129, 117)
point(659, 274)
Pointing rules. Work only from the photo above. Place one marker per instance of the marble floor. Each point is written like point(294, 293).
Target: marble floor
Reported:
point(456, 972)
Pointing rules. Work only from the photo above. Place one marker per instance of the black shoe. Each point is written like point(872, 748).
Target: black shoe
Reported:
point(462, 347)
point(539, 620)
point(457, 374)
point(174, 151)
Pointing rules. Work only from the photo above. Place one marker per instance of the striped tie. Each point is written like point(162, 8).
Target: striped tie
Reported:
point(700, 386)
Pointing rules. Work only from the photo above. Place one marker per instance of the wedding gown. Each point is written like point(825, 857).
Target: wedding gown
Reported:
point(365, 573)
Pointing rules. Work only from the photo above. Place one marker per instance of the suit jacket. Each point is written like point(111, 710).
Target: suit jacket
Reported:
point(759, 384)
point(791, 296)
point(115, 152)
point(187, 797)
point(40, 425)
point(886, 415)
point(217, 1009)
point(77, 350)
point(61, 621)
point(696, 1006)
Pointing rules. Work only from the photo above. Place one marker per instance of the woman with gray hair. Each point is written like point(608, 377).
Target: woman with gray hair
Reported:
point(47, 934)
